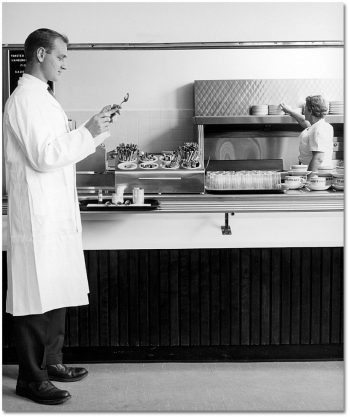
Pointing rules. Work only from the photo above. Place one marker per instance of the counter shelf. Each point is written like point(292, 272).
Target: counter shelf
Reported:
point(94, 205)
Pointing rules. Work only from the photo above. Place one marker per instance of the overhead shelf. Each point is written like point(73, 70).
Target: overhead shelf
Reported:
point(212, 120)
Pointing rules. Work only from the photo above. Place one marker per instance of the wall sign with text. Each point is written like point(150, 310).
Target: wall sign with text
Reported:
point(16, 65)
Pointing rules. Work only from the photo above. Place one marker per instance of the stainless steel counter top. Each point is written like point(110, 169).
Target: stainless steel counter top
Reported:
point(289, 201)
point(296, 200)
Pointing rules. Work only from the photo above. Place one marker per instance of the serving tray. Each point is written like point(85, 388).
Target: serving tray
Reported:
point(211, 191)
point(94, 205)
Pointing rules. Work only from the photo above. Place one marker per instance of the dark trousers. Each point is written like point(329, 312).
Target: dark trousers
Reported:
point(39, 340)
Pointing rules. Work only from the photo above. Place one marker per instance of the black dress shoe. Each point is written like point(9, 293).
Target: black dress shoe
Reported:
point(43, 392)
point(64, 373)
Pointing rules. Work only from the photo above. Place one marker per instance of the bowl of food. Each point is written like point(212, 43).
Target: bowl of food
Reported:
point(147, 157)
point(170, 165)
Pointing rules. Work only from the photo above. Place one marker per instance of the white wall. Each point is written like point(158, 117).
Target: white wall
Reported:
point(176, 22)
point(159, 113)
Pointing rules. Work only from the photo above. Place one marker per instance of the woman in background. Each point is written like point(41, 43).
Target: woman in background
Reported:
point(316, 140)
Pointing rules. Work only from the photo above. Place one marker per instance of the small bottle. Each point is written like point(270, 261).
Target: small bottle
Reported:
point(138, 195)
point(100, 196)
point(117, 198)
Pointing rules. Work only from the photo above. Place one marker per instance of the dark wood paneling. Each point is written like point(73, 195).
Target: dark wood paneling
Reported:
point(265, 296)
point(133, 298)
point(154, 328)
point(214, 297)
point(164, 304)
point(285, 295)
point(276, 297)
point(305, 296)
point(315, 296)
point(245, 296)
point(326, 296)
point(123, 281)
point(235, 294)
point(184, 278)
point(194, 298)
point(174, 298)
point(255, 309)
point(225, 313)
point(207, 297)
point(295, 296)
point(114, 297)
point(336, 320)
point(103, 283)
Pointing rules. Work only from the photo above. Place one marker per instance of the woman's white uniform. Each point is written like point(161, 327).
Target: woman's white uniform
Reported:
point(316, 138)
point(46, 268)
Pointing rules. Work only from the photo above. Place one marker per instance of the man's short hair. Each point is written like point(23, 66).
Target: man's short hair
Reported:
point(317, 105)
point(44, 38)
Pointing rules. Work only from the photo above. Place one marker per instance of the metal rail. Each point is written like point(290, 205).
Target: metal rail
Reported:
point(199, 45)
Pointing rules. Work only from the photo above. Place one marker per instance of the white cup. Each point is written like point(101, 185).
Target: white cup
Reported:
point(317, 183)
point(339, 181)
point(294, 182)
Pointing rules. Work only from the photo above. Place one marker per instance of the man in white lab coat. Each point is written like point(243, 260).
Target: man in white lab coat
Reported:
point(46, 269)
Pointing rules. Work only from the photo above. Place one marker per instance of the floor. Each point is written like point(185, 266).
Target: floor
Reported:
point(262, 386)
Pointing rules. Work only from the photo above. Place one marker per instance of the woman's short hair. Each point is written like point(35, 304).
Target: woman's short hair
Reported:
point(44, 38)
point(317, 105)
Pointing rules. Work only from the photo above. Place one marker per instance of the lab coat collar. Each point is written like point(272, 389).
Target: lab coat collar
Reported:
point(28, 80)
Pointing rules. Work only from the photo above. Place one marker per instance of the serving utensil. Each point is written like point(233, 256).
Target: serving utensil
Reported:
point(125, 99)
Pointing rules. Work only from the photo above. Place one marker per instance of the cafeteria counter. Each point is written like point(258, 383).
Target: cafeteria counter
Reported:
point(292, 219)
point(168, 285)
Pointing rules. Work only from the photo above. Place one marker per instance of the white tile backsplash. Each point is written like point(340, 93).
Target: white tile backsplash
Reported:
point(152, 130)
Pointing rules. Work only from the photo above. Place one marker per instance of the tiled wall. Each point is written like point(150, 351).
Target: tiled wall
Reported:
point(152, 130)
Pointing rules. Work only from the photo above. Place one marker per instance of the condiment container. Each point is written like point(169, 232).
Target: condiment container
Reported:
point(138, 195)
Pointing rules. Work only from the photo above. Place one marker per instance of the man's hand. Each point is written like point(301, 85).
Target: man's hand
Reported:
point(100, 122)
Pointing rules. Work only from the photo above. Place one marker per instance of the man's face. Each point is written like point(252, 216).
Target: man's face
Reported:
point(55, 61)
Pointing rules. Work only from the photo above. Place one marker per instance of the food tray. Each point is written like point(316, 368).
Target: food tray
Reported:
point(211, 191)
point(93, 205)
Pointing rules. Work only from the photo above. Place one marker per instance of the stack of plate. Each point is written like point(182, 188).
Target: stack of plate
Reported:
point(336, 107)
point(275, 109)
point(259, 110)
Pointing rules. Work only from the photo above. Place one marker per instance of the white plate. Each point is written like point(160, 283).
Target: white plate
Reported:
point(335, 175)
point(298, 187)
point(143, 165)
point(299, 173)
point(127, 165)
point(338, 187)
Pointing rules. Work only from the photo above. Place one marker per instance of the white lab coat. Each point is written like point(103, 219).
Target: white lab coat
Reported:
point(46, 268)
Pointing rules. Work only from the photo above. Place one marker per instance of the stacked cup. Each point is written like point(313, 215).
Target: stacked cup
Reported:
point(297, 177)
point(338, 178)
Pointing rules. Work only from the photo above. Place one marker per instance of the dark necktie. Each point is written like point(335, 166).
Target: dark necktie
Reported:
point(50, 90)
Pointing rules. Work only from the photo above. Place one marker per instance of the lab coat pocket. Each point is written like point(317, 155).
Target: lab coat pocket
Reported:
point(49, 197)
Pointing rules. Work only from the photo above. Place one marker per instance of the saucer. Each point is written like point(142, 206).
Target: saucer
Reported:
point(318, 188)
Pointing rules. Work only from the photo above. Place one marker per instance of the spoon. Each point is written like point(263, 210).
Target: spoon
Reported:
point(125, 99)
